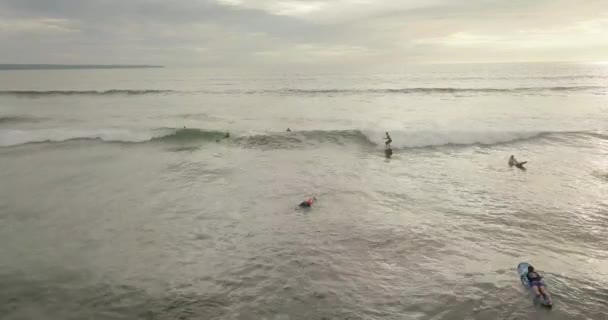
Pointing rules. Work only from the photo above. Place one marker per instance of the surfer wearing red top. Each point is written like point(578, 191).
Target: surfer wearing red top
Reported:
point(308, 202)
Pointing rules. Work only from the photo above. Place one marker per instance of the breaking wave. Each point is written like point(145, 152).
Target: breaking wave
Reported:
point(284, 140)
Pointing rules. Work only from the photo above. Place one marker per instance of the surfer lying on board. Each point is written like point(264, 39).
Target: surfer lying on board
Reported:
point(537, 284)
point(307, 203)
point(388, 141)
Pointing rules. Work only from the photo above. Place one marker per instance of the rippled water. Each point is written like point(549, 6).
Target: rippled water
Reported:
point(110, 209)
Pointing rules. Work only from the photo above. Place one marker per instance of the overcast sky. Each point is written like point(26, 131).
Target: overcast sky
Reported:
point(301, 33)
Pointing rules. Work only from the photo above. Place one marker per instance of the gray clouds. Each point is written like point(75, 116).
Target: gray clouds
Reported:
point(297, 34)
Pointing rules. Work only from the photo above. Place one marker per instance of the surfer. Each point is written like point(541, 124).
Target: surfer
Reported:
point(288, 130)
point(307, 203)
point(514, 162)
point(388, 141)
point(227, 135)
point(537, 284)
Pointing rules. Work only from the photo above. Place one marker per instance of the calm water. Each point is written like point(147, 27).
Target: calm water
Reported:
point(110, 209)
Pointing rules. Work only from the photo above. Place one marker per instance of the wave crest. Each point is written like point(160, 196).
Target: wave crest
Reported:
point(286, 140)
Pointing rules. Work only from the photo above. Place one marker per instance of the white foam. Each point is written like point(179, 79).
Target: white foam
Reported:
point(417, 139)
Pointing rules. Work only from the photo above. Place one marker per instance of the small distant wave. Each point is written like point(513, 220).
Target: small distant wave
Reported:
point(443, 90)
point(18, 119)
point(313, 92)
point(596, 135)
point(34, 93)
point(287, 140)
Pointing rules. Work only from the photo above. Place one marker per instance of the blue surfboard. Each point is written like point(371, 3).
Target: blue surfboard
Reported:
point(522, 270)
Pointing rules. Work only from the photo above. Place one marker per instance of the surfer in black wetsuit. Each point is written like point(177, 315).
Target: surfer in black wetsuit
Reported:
point(288, 130)
point(227, 135)
point(514, 162)
point(537, 284)
point(388, 141)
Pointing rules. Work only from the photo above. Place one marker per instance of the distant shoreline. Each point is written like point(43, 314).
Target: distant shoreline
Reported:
point(72, 66)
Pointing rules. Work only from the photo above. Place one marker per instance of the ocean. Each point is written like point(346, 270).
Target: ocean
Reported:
point(121, 197)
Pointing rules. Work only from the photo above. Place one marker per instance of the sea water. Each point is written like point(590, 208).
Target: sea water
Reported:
point(122, 198)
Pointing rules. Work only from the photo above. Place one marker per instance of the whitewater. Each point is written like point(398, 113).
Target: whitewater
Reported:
point(170, 193)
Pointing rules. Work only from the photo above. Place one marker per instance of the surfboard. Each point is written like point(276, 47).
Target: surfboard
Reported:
point(388, 152)
point(522, 270)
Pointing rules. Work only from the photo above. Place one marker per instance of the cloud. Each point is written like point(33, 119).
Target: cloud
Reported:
point(292, 34)
point(46, 26)
point(328, 11)
point(582, 34)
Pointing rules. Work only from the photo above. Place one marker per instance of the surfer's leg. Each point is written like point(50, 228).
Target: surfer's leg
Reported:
point(543, 291)
point(536, 290)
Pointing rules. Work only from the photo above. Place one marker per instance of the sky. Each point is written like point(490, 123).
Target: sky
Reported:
point(301, 34)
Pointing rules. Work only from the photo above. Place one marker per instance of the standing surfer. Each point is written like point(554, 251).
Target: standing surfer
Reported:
point(388, 141)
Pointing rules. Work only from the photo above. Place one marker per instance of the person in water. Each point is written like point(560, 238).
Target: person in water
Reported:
point(307, 203)
point(288, 130)
point(514, 162)
point(388, 141)
point(537, 284)
point(227, 135)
